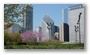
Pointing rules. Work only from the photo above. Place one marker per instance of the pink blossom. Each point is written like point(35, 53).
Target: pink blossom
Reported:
point(31, 35)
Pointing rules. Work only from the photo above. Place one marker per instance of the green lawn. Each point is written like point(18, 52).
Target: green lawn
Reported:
point(62, 46)
point(52, 44)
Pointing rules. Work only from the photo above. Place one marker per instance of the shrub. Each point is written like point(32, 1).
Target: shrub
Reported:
point(31, 42)
point(12, 37)
point(6, 37)
point(17, 37)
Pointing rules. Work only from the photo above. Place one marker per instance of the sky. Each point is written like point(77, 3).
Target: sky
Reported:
point(53, 10)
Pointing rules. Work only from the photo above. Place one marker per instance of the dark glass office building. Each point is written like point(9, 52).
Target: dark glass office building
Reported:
point(28, 18)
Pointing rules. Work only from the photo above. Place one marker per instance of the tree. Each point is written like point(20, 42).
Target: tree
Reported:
point(31, 35)
point(10, 12)
point(14, 13)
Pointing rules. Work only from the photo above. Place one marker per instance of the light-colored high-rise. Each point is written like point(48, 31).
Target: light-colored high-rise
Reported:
point(47, 28)
point(73, 17)
point(70, 27)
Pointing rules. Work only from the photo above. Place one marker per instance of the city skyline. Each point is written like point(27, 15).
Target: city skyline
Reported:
point(44, 26)
point(53, 10)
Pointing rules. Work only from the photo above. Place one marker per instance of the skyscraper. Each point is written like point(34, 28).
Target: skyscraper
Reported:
point(65, 15)
point(48, 28)
point(75, 14)
point(28, 18)
point(64, 27)
point(64, 32)
point(73, 24)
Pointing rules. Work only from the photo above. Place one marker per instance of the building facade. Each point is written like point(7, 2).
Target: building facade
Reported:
point(39, 33)
point(64, 27)
point(56, 33)
point(65, 15)
point(56, 28)
point(48, 28)
point(73, 24)
point(28, 18)
point(64, 32)
point(15, 28)
point(75, 14)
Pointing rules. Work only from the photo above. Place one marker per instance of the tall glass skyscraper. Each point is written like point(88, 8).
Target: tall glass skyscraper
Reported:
point(65, 15)
point(28, 18)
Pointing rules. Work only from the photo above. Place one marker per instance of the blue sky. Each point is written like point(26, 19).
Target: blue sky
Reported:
point(53, 10)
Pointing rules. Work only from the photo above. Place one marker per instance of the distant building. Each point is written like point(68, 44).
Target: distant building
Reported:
point(65, 15)
point(56, 33)
point(64, 27)
point(56, 28)
point(64, 32)
point(22, 30)
point(48, 28)
point(38, 31)
point(15, 28)
point(28, 18)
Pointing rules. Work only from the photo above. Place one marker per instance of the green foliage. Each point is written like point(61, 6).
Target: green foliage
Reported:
point(51, 44)
point(31, 42)
point(17, 37)
point(62, 46)
point(43, 43)
point(11, 11)
point(11, 38)
point(7, 25)
point(6, 37)
point(55, 42)
point(11, 43)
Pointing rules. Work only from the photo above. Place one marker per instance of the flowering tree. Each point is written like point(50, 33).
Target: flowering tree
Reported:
point(31, 35)
point(39, 35)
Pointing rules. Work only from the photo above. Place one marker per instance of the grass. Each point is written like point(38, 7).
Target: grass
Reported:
point(46, 45)
point(63, 46)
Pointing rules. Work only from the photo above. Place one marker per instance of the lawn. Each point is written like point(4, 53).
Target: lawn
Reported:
point(46, 46)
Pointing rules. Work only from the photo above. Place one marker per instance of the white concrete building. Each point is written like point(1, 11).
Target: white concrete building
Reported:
point(48, 28)
point(61, 32)
point(73, 17)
